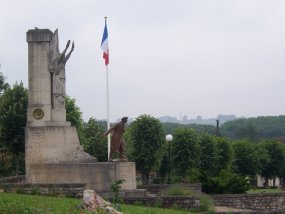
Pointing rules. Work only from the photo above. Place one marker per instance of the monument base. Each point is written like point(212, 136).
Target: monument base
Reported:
point(96, 176)
point(55, 142)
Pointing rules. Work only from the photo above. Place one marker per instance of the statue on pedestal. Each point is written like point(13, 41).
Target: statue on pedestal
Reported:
point(117, 141)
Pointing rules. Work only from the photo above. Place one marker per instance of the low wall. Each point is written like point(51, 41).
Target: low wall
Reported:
point(66, 190)
point(13, 179)
point(156, 188)
point(166, 202)
point(262, 202)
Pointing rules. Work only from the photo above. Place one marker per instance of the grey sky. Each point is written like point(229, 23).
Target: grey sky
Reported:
point(189, 57)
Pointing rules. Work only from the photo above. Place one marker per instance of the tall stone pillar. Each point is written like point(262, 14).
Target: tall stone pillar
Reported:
point(39, 102)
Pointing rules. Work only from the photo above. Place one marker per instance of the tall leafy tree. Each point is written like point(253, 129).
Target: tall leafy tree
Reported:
point(246, 158)
point(13, 118)
point(276, 154)
point(209, 159)
point(225, 153)
point(209, 162)
point(95, 142)
point(146, 137)
point(185, 151)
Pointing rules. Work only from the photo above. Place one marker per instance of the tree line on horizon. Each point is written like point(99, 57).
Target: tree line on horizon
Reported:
point(262, 127)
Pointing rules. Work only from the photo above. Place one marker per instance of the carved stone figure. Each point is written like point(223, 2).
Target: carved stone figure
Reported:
point(57, 63)
point(117, 141)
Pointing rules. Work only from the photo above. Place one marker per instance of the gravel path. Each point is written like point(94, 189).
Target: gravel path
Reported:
point(229, 209)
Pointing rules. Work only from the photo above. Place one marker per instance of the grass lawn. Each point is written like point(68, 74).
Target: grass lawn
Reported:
point(132, 209)
point(11, 203)
point(19, 203)
point(258, 191)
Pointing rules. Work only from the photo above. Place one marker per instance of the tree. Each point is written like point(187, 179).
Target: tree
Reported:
point(246, 159)
point(225, 153)
point(209, 162)
point(209, 159)
point(13, 118)
point(276, 154)
point(185, 151)
point(74, 115)
point(3, 84)
point(95, 142)
point(146, 137)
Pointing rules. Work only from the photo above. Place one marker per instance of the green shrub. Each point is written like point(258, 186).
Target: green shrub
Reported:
point(69, 194)
point(138, 203)
point(35, 191)
point(20, 191)
point(226, 183)
point(115, 187)
point(158, 202)
point(206, 204)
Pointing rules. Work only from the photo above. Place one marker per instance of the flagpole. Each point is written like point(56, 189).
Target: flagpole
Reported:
point(108, 104)
point(108, 110)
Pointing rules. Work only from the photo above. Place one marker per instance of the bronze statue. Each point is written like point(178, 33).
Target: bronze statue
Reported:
point(117, 141)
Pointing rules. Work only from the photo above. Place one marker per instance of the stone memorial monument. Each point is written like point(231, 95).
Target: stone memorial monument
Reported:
point(53, 153)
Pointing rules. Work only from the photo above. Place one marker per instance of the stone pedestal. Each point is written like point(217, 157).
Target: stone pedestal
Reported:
point(53, 143)
point(96, 176)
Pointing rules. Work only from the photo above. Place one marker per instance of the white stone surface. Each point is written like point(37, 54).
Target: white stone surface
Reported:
point(127, 172)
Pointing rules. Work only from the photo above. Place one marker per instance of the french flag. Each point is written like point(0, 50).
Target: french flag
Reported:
point(105, 46)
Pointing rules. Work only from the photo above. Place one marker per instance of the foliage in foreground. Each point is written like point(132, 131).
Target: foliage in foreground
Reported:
point(18, 204)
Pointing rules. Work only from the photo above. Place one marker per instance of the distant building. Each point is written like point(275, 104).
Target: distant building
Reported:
point(198, 120)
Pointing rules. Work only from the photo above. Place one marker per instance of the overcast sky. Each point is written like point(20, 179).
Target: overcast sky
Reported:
point(183, 57)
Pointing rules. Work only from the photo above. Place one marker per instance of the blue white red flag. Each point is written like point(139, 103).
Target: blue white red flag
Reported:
point(105, 46)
